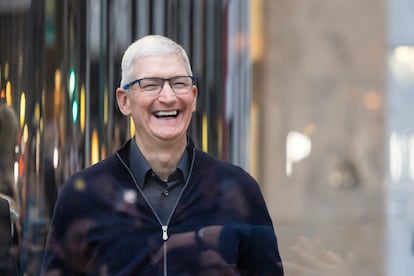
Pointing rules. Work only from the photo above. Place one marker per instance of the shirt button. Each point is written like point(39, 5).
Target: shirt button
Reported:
point(166, 193)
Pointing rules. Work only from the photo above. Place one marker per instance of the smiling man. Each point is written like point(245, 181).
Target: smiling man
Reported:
point(159, 205)
point(160, 98)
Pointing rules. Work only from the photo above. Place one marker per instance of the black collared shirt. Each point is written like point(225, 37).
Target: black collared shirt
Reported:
point(162, 195)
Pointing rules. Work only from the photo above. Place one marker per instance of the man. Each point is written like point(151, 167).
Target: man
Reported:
point(160, 206)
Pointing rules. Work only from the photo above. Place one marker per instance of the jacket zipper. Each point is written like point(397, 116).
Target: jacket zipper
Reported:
point(164, 227)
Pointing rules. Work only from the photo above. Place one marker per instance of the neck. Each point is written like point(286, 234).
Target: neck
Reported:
point(163, 157)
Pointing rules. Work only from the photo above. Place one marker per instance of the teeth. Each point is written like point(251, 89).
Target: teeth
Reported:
point(166, 113)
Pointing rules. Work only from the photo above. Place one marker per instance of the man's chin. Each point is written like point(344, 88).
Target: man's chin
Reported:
point(168, 136)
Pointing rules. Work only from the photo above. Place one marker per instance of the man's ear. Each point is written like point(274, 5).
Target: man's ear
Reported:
point(123, 101)
point(195, 93)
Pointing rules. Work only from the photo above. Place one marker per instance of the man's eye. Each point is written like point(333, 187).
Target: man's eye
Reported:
point(149, 86)
point(179, 84)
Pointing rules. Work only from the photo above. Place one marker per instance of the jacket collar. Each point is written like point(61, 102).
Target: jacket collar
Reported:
point(123, 152)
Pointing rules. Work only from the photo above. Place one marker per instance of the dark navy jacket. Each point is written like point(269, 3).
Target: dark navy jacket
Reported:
point(103, 224)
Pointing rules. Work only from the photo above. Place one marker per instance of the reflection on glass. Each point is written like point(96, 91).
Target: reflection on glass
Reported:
point(395, 157)
point(401, 161)
point(22, 109)
point(65, 56)
point(400, 186)
point(9, 99)
point(298, 147)
point(402, 62)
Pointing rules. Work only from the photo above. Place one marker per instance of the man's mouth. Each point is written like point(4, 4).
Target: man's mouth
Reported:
point(166, 114)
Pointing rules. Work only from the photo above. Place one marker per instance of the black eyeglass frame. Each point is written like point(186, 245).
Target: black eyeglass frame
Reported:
point(128, 85)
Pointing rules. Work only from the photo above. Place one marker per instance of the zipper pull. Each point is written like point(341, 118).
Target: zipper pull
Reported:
point(164, 232)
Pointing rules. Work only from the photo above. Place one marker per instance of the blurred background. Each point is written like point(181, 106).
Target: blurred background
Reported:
point(313, 98)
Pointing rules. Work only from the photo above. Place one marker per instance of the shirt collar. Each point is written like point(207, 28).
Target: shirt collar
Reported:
point(140, 167)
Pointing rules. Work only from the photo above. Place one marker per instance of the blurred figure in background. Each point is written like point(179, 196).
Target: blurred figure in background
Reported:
point(10, 207)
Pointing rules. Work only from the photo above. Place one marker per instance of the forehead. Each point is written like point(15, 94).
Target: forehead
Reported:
point(160, 66)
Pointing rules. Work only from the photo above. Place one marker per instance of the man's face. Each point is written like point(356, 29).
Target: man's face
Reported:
point(146, 109)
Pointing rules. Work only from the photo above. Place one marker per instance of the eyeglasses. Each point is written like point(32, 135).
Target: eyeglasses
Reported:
point(153, 86)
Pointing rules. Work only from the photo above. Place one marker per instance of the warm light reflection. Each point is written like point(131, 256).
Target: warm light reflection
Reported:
point(22, 109)
point(9, 99)
point(103, 151)
point(57, 95)
point(58, 79)
point(298, 147)
point(204, 131)
point(309, 129)
point(23, 140)
point(372, 100)
point(41, 125)
point(131, 127)
point(94, 147)
point(21, 165)
point(37, 112)
point(82, 108)
point(25, 135)
point(256, 30)
point(105, 111)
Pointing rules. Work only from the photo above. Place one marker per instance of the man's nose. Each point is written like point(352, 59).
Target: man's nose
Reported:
point(166, 91)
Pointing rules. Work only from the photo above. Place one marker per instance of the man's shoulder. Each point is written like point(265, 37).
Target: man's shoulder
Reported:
point(206, 161)
point(103, 169)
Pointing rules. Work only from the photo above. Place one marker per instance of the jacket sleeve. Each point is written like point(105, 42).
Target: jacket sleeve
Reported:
point(75, 213)
point(253, 247)
point(251, 244)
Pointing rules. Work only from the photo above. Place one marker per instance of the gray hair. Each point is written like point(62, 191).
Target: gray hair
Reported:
point(151, 45)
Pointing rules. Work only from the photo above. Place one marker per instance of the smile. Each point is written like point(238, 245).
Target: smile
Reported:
point(166, 114)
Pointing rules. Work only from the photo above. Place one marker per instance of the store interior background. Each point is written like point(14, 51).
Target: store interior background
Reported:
point(313, 98)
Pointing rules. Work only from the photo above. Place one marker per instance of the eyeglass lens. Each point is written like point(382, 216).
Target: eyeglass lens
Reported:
point(177, 84)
